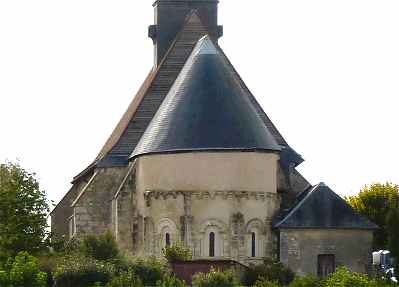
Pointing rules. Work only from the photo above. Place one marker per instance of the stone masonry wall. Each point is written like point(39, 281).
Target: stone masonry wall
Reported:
point(299, 249)
point(92, 210)
point(63, 212)
point(123, 209)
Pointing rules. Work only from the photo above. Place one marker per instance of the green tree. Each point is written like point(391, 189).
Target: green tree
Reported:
point(375, 202)
point(393, 234)
point(23, 212)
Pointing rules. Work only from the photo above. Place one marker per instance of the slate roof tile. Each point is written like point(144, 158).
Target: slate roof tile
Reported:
point(206, 109)
point(323, 208)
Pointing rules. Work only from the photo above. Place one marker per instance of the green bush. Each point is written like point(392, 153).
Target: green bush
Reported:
point(216, 278)
point(48, 264)
point(344, 278)
point(171, 281)
point(262, 282)
point(126, 279)
point(78, 271)
point(3, 278)
point(150, 270)
point(177, 253)
point(23, 271)
point(269, 270)
point(305, 281)
point(102, 247)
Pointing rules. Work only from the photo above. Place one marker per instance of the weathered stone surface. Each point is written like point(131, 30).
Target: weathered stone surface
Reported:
point(63, 212)
point(192, 195)
point(92, 208)
point(299, 249)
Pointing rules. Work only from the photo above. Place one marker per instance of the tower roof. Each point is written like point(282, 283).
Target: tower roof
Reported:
point(131, 127)
point(206, 109)
point(323, 208)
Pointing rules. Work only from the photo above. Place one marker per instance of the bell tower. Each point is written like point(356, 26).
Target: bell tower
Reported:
point(170, 16)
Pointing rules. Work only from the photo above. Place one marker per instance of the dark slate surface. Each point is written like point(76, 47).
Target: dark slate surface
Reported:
point(118, 148)
point(128, 132)
point(206, 109)
point(323, 208)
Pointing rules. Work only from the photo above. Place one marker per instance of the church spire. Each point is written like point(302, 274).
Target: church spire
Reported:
point(170, 16)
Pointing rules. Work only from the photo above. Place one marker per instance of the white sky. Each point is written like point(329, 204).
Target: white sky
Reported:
point(326, 72)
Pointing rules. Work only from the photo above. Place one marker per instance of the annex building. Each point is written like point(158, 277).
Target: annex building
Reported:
point(195, 159)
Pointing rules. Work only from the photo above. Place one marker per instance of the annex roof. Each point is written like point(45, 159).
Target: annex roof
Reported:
point(206, 109)
point(323, 208)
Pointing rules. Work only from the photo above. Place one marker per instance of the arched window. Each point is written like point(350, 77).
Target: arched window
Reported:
point(253, 245)
point(212, 244)
point(167, 239)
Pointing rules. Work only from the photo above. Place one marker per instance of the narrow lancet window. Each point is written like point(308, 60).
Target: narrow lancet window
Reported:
point(253, 245)
point(212, 244)
point(167, 239)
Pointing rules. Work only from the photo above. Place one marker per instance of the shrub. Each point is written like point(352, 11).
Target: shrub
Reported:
point(305, 281)
point(150, 271)
point(344, 278)
point(171, 281)
point(126, 279)
point(4, 281)
point(102, 247)
point(269, 270)
point(23, 272)
point(216, 279)
point(262, 282)
point(78, 271)
point(177, 253)
point(48, 264)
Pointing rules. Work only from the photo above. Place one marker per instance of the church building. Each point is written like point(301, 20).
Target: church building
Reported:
point(196, 160)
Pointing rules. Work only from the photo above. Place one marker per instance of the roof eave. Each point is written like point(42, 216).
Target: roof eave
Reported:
point(206, 150)
point(326, 228)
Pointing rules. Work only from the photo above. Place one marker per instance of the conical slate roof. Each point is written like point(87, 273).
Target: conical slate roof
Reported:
point(206, 109)
point(323, 208)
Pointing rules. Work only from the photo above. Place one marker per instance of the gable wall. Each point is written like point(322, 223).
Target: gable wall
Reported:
point(92, 210)
point(62, 213)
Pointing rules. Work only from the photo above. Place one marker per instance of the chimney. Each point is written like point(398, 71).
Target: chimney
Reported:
point(170, 16)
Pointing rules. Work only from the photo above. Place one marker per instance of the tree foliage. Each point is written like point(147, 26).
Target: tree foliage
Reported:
point(305, 281)
point(23, 212)
point(263, 282)
point(177, 253)
point(171, 281)
point(375, 202)
point(125, 279)
point(80, 271)
point(102, 247)
point(270, 270)
point(23, 271)
point(216, 278)
point(393, 234)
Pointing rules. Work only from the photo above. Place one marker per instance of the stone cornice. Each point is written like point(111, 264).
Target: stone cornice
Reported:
point(256, 195)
